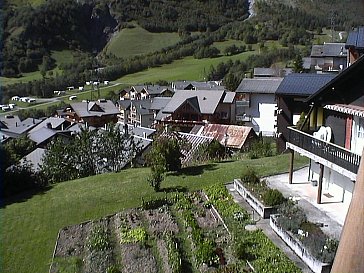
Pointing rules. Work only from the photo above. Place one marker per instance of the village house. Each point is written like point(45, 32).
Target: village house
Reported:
point(12, 127)
point(93, 113)
point(256, 105)
point(329, 57)
point(190, 107)
point(332, 135)
point(48, 130)
point(291, 94)
point(194, 85)
point(355, 44)
point(136, 112)
point(140, 92)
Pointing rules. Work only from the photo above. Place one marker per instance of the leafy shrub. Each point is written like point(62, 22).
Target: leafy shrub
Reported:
point(155, 179)
point(292, 216)
point(135, 235)
point(273, 197)
point(260, 148)
point(249, 175)
point(205, 253)
point(99, 239)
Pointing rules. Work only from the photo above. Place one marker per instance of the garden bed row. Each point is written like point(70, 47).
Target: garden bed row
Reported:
point(191, 232)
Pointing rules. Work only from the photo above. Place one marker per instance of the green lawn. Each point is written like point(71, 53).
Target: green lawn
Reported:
point(187, 68)
point(136, 41)
point(30, 226)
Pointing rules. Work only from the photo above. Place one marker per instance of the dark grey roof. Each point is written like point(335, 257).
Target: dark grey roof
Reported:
point(229, 97)
point(156, 89)
point(41, 135)
point(89, 109)
point(10, 120)
point(264, 72)
point(24, 126)
point(329, 50)
point(124, 104)
point(207, 100)
point(140, 131)
point(159, 103)
point(35, 158)
point(142, 106)
point(161, 116)
point(55, 122)
point(306, 63)
point(356, 39)
point(303, 84)
point(259, 85)
point(76, 128)
point(213, 85)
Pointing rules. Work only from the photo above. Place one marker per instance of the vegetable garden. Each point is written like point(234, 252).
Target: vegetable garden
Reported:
point(200, 231)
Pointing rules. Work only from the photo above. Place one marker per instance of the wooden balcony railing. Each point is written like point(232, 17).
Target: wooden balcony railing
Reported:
point(326, 150)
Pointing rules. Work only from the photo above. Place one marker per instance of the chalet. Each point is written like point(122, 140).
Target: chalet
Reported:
point(190, 107)
point(329, 57)
point(291, 94)
point(48, 129)
point(140, 92)
point(355, 44)
point(256, 105)
point(136, 112)
point(157, 106)
point(93, 113)
point(332, 135)
point(12, 127)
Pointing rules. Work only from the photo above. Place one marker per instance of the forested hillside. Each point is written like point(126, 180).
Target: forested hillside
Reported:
point(31, 31)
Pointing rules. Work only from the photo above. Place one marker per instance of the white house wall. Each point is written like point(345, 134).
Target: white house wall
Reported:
point(335, 184)
point(261, 109)
point(357, 135)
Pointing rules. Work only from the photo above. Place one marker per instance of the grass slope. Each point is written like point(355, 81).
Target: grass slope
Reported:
point(187, 68)
point(30, 226)
point(136, 41)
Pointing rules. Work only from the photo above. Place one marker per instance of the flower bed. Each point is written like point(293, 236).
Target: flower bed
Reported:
point(255, 203)
point(309, 242)
point(296, 245)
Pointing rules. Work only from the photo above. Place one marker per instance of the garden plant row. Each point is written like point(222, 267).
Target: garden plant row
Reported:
point(179, 233)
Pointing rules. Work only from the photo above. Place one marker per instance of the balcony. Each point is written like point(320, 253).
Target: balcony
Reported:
point(326, 153)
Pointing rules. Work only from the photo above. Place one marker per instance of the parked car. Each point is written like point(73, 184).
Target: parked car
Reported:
point(72, 97)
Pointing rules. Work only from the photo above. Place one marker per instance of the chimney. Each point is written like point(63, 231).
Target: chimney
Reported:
point(49, 125)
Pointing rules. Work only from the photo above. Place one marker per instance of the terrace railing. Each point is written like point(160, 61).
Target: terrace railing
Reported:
point(326, 150)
